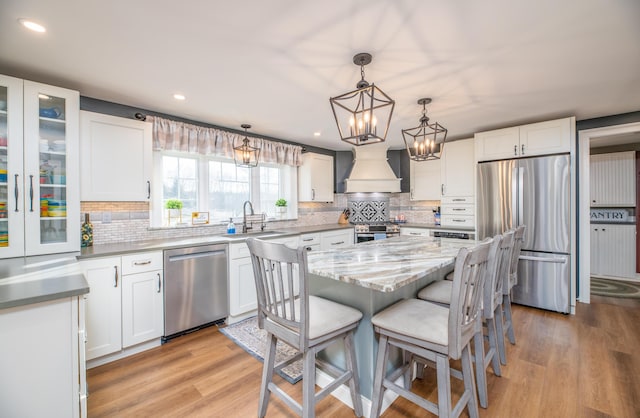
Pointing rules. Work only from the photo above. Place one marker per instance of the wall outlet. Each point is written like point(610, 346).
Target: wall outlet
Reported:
point(106, 217)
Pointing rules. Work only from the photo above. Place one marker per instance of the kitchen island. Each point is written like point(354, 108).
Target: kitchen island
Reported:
point(372, 276)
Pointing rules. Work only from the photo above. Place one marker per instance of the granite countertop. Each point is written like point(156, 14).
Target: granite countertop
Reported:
point(389, 264)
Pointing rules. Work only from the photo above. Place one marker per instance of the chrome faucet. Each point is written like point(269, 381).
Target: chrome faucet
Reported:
point(244, 217)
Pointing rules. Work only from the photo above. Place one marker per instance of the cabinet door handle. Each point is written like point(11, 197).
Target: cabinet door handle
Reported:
point(15, 191)
point(159, 282)
point(31, 191)
point(522, 148)
point(515, 150)
point(313, 194)
point(411, 193)
point(115, 276)
point(442, 189)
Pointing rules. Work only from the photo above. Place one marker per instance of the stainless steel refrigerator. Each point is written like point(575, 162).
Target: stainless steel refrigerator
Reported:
point(534, 192)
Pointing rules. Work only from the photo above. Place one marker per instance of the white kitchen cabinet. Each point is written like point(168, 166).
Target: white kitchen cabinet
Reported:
point(125, 303)
point(549, 137)
point(613, 250)
point(39, 181)
point(336, 239)
point(103, 307)
point(116, 163)
point(425, 180)
point(242, 287)
point(613, 179)
point(41, 358)
point(315, 178)
point(419, 232)
point(142, 298)
point(458, 171)
point(311, 241)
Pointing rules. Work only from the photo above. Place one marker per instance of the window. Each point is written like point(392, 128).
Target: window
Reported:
point(217, 186)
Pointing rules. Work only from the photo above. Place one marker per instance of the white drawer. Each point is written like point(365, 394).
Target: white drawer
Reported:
point(239, 250)
point(336, 239)
point(310, 239)
point(458, 221)
point(421, 232)
point(462, 200)
point(468, 210)
point(141, 262)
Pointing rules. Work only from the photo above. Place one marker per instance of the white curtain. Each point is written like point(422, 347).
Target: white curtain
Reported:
point(170, 135)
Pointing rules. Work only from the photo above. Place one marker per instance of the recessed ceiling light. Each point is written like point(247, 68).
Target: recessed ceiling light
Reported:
point(178, 96)
point(31, 25)
point(316, 134)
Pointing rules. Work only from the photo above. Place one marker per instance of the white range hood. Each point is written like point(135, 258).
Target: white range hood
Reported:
point(371, 171)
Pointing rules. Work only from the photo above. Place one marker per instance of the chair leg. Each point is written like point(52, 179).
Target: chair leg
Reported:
point(481, 371)
point(499, 321)
point(469, 385)
point(444, 386)
point(509, 319)
point(309, 384)
point(493, 345)
point(354, 384)
point(379, 375)
point(267, 375)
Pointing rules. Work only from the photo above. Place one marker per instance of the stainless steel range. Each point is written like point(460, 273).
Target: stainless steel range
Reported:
point(374, 231)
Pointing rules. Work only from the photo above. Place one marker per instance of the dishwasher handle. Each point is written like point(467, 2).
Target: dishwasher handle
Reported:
point(182, 257)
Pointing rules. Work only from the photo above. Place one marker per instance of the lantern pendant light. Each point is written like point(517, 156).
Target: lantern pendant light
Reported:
point(426, 141)
point(363, 115)
point(245, 155)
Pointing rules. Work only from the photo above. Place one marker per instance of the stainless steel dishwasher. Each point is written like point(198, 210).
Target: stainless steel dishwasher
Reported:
point(195, 288)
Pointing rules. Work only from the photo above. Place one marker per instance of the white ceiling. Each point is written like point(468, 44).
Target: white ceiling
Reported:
point(274, 64)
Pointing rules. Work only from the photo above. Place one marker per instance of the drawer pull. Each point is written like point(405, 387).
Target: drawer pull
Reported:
point(141, 263)
point(458, 220)
point(307, 239)
point(337, 243)
point(459, 209)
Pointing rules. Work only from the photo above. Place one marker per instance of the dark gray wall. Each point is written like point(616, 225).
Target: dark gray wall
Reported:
point(398, 160)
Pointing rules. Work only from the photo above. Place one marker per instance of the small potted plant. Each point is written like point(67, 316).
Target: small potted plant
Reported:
point(281, 204)
point(173, 205)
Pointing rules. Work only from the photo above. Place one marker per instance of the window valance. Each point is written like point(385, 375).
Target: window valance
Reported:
point(170, 135)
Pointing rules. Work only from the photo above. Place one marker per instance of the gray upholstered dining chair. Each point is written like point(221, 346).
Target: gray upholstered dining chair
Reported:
point(428, 332)
point(509, 280)
point(440, 292)
point(307, 323)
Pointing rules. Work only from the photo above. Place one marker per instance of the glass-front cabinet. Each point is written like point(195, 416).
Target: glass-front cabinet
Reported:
point(39, 182)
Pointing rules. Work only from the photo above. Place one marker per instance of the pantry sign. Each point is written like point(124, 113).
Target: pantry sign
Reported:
point(610, 215)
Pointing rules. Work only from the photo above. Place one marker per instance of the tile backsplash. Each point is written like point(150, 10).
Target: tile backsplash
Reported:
point(129, 221)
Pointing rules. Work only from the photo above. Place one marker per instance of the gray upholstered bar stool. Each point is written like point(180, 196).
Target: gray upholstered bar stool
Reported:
point(429, 332)
point(499, 259)
point(307, 323)
point(509, 280)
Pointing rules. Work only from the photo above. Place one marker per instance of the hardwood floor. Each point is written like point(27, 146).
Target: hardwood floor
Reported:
point(584, 365)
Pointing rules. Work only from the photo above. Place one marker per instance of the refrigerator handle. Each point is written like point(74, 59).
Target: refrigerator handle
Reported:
point(514, 198)
point(544, 259)
point(520, 196)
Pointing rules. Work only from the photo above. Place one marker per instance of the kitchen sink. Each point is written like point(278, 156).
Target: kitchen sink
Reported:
point(257, 234)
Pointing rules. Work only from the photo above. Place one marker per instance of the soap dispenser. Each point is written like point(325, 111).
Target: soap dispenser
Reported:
point(231, 228)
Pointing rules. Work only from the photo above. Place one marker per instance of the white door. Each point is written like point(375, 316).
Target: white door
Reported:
point(458, 168)
point(425, 179)
point(142, 307)
point(103, 306)
point(51, 178)
point(108, 173)
point(11, 168)
point(242, 287)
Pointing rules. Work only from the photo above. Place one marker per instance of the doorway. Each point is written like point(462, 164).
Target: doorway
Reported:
point(612, 134)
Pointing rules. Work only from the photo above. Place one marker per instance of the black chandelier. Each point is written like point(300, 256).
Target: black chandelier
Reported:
point(425, 142)
point(245, 155)
point(363, 115)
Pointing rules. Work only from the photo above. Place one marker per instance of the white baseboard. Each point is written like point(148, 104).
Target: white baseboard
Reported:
point(125, 352)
